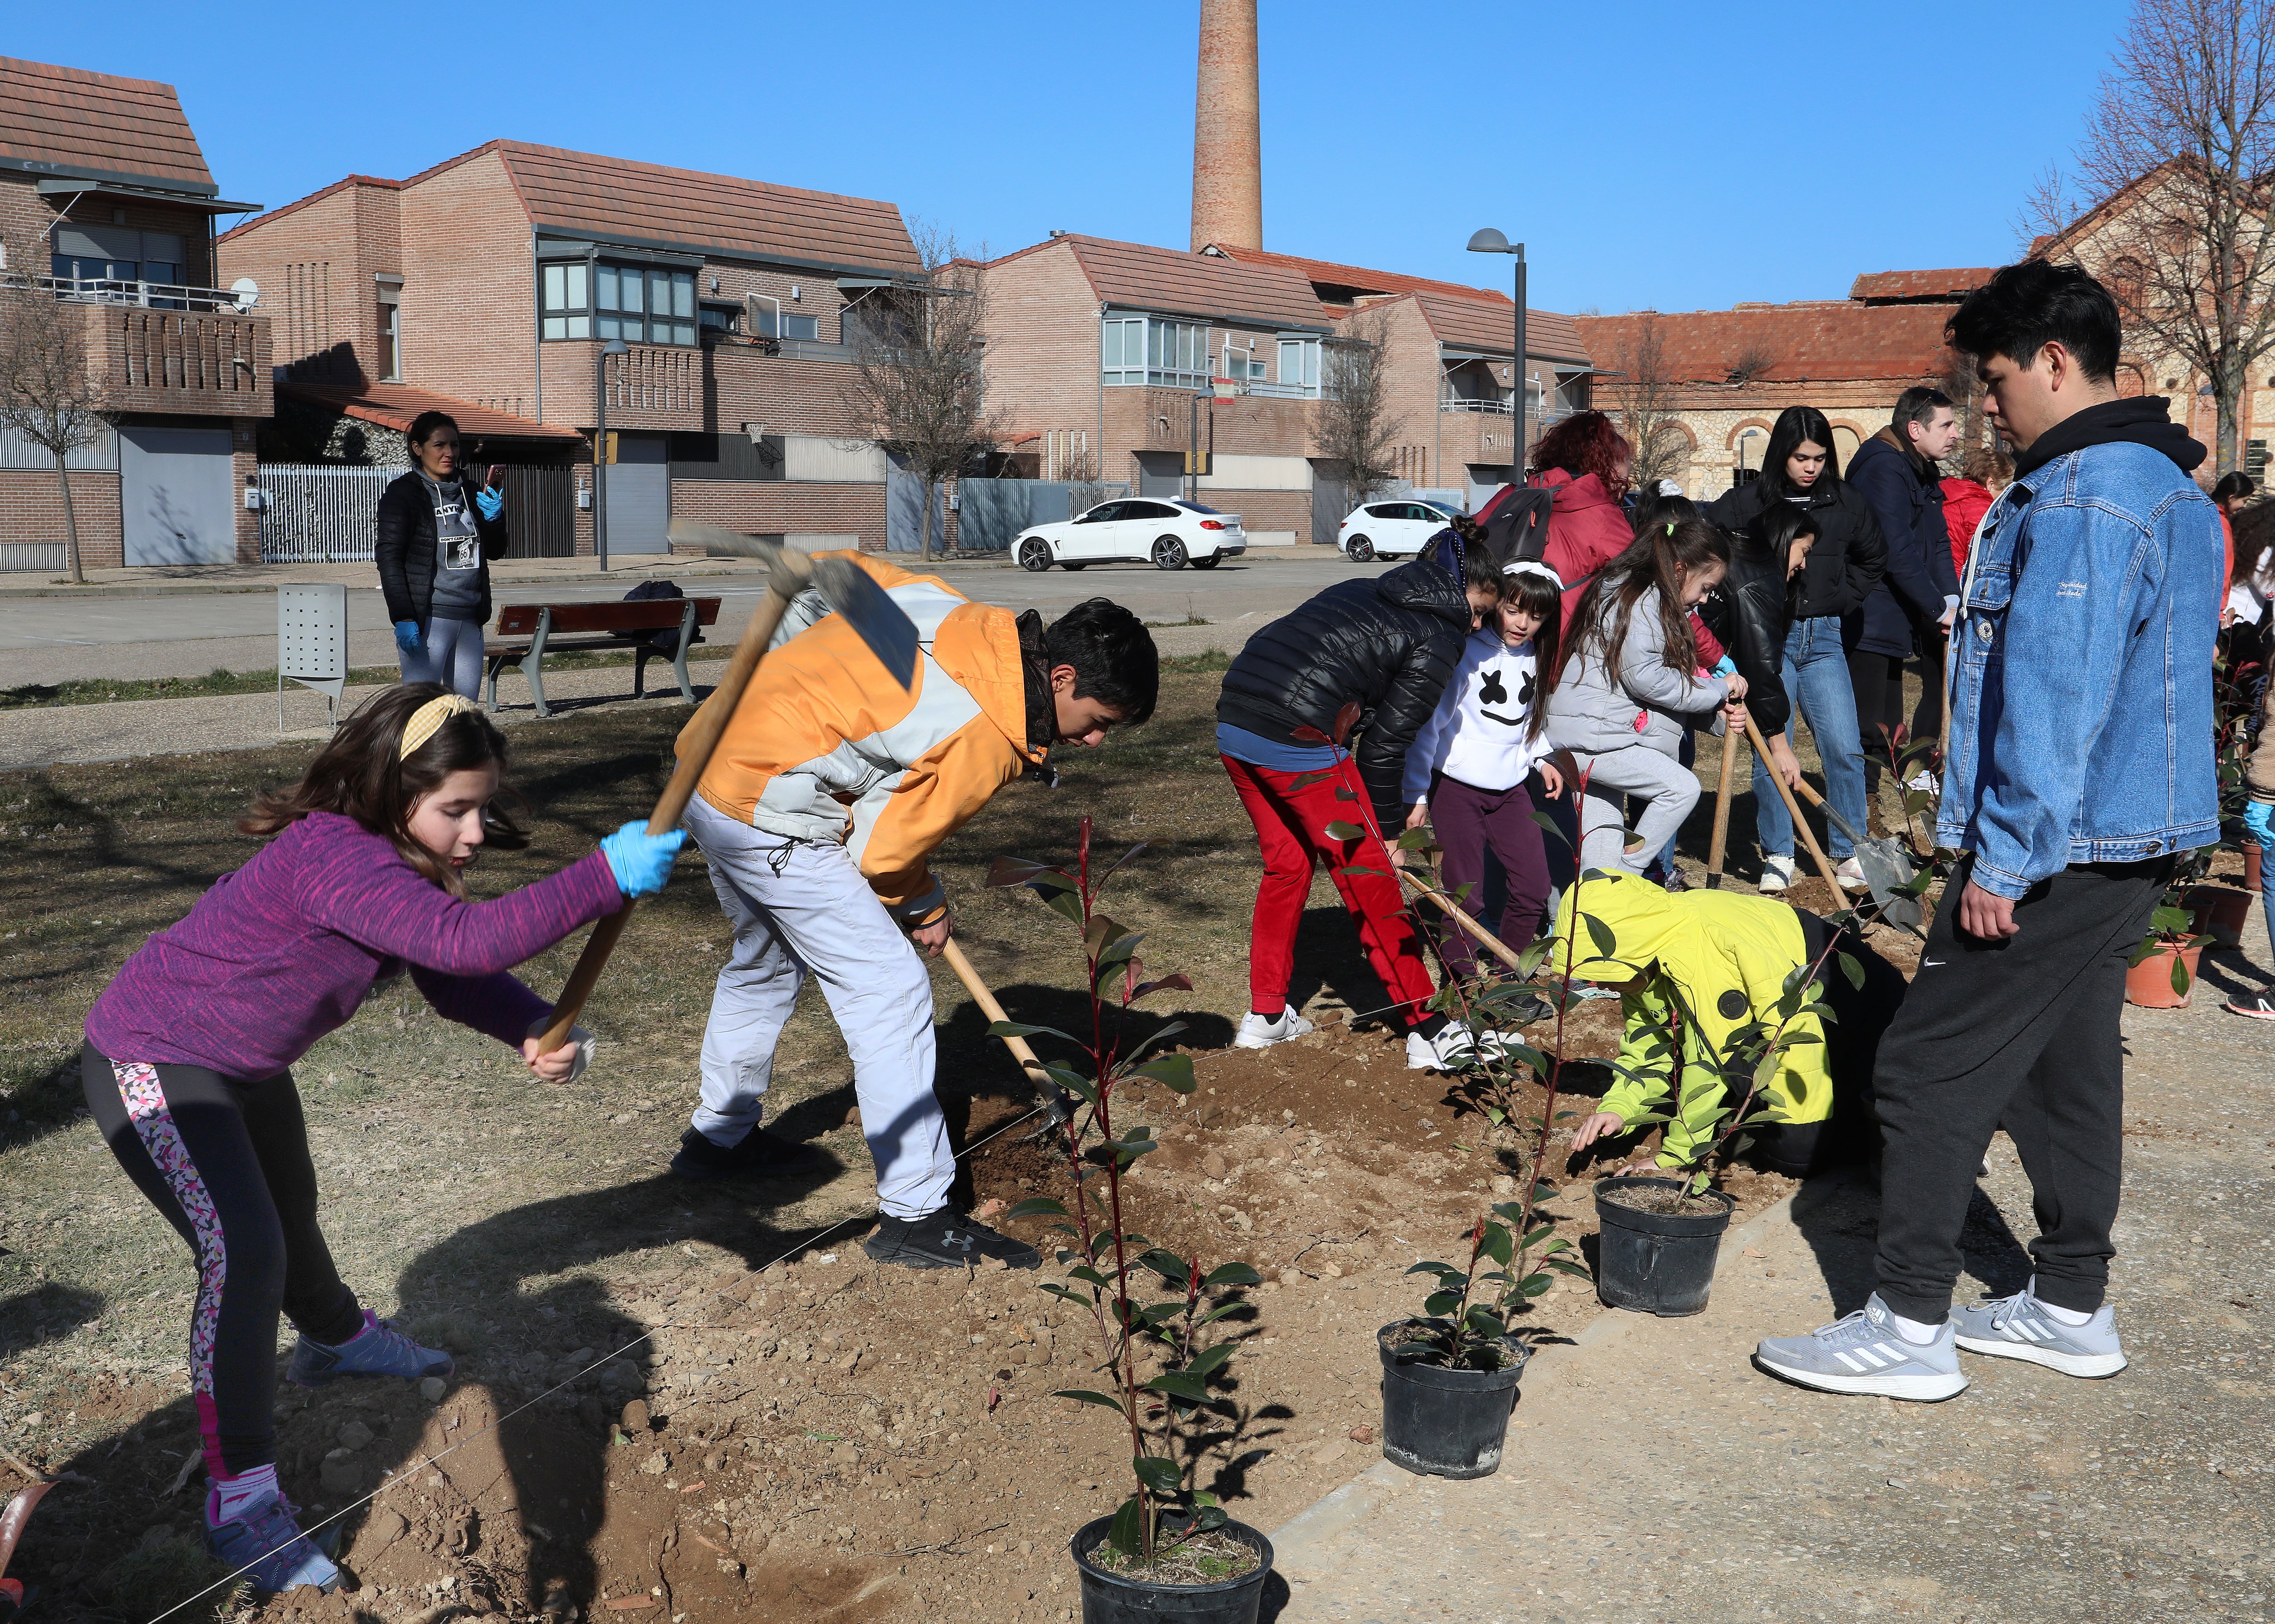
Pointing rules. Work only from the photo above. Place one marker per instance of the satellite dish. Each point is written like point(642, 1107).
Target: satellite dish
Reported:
point(247, 291)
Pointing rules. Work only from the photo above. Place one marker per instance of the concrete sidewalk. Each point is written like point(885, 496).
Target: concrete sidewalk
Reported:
point(1654, 1475)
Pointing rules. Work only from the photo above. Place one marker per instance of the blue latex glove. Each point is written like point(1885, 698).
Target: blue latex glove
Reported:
point(491, 503)
point(2259, 821)
point(406, 635)
point(640, 861)
point(1725, 667)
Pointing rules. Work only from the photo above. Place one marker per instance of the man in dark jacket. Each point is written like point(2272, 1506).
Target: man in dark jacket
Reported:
point(1370, 656)
point(1912, 609)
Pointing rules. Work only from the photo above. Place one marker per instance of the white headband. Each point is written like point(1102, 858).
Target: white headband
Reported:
point(1534, 566)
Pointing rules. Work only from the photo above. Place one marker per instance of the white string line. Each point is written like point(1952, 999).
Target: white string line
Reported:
point(702, 1302)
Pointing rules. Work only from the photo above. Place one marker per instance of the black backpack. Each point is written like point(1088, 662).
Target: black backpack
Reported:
point(1515, 523)
point(665, 640)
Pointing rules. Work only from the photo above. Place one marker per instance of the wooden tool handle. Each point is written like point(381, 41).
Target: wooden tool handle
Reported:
point(1026, 1057)
point(1800, 823)
point(1714, 847)
point(1499, 949)
point(702, 738)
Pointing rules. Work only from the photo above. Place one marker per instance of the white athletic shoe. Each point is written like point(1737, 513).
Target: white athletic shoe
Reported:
point(1865, 1353)
point(1921, 780)
point(1777, 873)
point(1851, 876)
point(1451, 1049)
point(1255, 1032)
point(2019, 1328)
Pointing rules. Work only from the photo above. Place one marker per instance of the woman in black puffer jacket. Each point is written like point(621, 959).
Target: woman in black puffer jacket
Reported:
point(1752, 610)
point(1370, 656)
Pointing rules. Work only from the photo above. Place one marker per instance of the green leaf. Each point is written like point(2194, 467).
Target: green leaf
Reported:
point(1533, 1285)
point(1127, 1533)
point(1219, 1313)
point(1086, 1274)
point(1019, 1028)
point(1605, 941)
point(1356, 872)
point(1482, 1319)
point(1179, 1384)
point(1853, 970)
point(2180, 975)
point(1174, 1072)
point(1341, 829)
point(1166, 1264)
point(1088, 1397)
point(1232, 1274)
point(1498, 1245)
point(1442, 1302)
point(1414, 840)
point(1210, 1359)
point(1037, 1207)
point(1161, 1476)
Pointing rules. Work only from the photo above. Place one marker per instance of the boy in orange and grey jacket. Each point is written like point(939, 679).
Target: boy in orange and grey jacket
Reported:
point(819, 813)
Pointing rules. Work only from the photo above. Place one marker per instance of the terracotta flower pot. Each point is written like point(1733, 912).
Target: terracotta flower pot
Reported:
point(2150, 983)
point(2219, 912)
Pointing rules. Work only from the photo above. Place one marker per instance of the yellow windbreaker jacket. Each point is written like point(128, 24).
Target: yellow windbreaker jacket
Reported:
point(826, 746)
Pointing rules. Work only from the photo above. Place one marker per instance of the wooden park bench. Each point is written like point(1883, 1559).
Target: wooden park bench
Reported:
point(567, 628)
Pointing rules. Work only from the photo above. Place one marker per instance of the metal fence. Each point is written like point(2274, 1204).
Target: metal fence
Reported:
point(320, 516)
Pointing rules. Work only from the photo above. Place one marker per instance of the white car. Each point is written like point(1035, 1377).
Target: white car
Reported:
point(1168, 534)
point(1391, 529)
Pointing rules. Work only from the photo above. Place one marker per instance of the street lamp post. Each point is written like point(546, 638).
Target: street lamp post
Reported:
point(1491, 241)
point(615, 346)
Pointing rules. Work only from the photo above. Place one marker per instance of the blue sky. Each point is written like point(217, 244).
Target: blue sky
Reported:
point(1668, 154)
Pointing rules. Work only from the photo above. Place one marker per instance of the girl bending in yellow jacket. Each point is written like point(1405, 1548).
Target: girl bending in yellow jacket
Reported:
point(1728, 955)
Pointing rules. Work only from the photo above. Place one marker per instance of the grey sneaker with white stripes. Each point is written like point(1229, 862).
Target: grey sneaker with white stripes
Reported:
point(1865, 1353)
point(2019, 1328)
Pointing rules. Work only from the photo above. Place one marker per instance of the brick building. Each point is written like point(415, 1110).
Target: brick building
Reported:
point(1117, 357)
point(487, 285)
point(1718, 378)
point(107, 206)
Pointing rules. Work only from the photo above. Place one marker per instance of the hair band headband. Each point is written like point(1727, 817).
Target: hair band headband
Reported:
point(1534, 566)
point(427, 721)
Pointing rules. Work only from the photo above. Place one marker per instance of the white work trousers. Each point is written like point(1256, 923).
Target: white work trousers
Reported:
point(801, 908)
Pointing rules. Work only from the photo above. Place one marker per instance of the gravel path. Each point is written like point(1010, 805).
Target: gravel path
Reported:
point(1653, 1473)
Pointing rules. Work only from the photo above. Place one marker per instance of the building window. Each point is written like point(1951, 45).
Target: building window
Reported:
point(111, 263)
point(2255, 460)
point(719, 318)
point(1299, 366)
point(390, 345)
point(639, 304)
point(1154, 350)
point(789, 324)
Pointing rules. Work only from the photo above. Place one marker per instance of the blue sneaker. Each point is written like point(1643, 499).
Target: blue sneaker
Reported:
point(1865, 1353)
point(378, 1350)
point(268, 1545)
point(2019, 1328)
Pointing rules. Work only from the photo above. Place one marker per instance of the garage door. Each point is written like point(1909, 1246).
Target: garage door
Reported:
point(640, 496)
point(176, 496)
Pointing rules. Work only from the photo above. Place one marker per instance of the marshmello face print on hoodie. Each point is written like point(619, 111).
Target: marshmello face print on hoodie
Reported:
point(1492, 693)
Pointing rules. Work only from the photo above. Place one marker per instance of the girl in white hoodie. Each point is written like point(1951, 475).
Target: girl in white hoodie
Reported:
point(1466, 770)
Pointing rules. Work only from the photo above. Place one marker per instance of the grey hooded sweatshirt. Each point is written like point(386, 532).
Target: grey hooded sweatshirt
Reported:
point(1592, 711)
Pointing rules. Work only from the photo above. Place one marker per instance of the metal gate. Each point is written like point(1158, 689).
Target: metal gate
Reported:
point(321, 516)
point(991, 512)
point(175, 495)
point(540, 512)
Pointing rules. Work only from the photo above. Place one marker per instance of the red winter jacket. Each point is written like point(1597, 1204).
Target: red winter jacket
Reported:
point(1964, 504)
point(1589, 529)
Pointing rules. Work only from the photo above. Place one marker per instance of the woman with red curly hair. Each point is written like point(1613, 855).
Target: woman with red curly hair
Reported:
point(1585, 461)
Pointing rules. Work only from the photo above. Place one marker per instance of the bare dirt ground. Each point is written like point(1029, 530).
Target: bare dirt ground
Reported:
point(820, 1438)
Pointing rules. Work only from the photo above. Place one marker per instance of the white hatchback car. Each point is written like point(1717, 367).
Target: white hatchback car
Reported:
point(1391, 529)
point(1168, 534)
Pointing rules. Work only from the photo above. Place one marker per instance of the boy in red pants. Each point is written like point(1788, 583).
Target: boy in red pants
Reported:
point(1388, 645)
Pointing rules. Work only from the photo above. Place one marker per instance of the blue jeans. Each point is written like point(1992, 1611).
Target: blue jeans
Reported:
point(450, 653)
point(1815, 675)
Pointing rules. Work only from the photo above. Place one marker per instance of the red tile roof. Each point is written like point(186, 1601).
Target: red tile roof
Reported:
point(620, 199)
point(285, 208)
point(1173, 282)
point(1327, 274)
point(393, 405)
point(1476, 324)
point(1818, 340)
point(1947, 286)
point(73, 120)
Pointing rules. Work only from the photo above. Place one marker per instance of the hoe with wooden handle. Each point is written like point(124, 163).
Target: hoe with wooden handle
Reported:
point(1714, 847)
point(1800, 824)
point(1048, 1094)
point(883, 624)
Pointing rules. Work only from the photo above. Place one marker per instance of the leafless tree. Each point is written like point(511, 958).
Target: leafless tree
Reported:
point(919, 379)
point(1356, 425)
point(48, 393)
point(1641, 394)
point(1980, 456)
point(1751, 361)
point(2178, 149)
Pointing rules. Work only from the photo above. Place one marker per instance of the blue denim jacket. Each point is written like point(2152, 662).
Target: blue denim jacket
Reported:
point(2081, 671)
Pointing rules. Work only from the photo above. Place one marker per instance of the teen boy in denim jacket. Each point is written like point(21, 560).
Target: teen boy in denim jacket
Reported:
point(2080, 764)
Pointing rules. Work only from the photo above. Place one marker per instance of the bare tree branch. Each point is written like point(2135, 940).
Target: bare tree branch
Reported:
point(918, 380)
point(1640, 393)
point(47, 392)
point(1354, 426)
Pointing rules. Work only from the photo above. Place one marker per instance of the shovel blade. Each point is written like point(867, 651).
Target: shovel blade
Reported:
point(1888, 870)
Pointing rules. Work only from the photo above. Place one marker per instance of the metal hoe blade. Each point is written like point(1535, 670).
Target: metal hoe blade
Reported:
point(847, 588)
point(1888, 868)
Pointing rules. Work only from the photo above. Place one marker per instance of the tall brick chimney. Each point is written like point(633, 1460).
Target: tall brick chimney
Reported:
point(1227, 155)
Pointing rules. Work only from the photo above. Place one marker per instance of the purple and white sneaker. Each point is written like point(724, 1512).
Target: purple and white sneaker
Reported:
point(378, 1350)
point(265, 1541)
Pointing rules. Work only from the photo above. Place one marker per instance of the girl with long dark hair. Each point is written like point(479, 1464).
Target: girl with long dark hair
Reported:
point(1801, 471)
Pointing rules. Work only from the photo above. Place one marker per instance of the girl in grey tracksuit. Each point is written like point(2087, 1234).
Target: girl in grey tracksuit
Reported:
point(1632, 681)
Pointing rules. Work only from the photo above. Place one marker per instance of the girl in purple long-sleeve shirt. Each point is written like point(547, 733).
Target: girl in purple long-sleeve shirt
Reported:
point(187, 1051)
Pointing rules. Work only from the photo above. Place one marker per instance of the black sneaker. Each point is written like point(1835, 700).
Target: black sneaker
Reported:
point(760, 1155)
point(946, 1239)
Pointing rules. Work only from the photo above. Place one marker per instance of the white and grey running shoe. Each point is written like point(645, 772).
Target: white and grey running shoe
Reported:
point(1777, 873)
point(1452, 1049)
point(1255, 1032)
point(1865, 1353)
point(2019, 1328)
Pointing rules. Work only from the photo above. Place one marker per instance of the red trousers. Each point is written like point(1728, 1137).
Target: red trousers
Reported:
point(1291, 825)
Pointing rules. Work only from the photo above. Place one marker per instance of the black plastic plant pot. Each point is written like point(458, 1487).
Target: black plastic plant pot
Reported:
point(1657, 1263)
point(1109, 1598)
point(1438, 1422)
